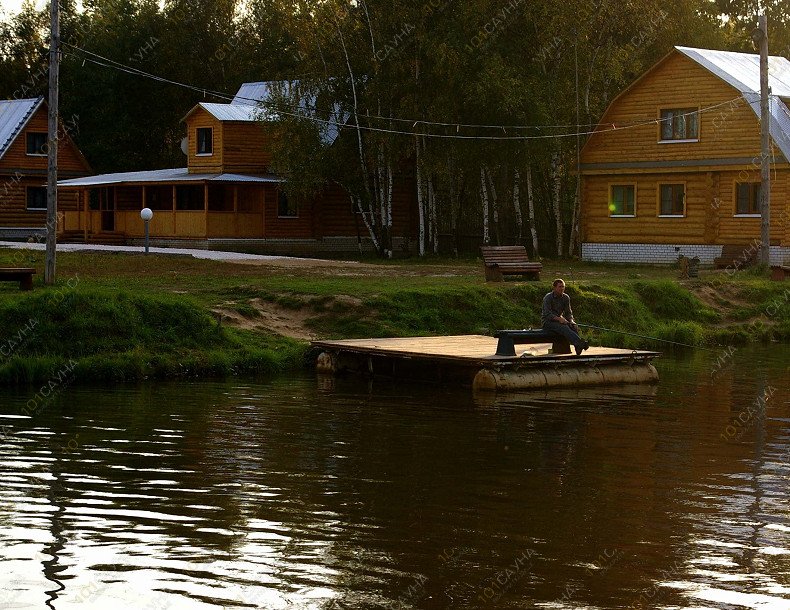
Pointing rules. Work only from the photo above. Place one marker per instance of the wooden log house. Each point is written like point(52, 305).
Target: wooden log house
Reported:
point(227, 197)
point(23, 167)
point(674, 165)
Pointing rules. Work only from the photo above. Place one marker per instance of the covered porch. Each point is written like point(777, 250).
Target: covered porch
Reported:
point(188, 206)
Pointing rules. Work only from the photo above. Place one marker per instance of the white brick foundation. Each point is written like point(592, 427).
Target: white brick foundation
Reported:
point(662, 254)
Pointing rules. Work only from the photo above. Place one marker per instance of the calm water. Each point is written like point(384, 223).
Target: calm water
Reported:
point(315, 493)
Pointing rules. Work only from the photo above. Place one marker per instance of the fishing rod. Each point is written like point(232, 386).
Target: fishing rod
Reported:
point(621, 332)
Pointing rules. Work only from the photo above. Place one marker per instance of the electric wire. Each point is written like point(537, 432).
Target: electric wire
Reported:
point(102, 61)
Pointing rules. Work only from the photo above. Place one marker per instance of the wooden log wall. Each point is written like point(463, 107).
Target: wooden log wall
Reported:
point(204, 164)
point(18, 170)
point(726, 152)
point(246, 148)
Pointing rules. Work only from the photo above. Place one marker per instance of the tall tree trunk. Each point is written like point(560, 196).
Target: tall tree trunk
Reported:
point(433, 216)
point(556, 192)
point(455, 203)
point(370, 222)
point(420, 196)
point(355, 202)
point(494, 206)
point(574, 224)
point(484, 202)
point(517, 204)
point(390, 182)
point(531, 205)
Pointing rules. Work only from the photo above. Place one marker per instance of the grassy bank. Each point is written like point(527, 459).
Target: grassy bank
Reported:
point(124, 317)
point(110, 335)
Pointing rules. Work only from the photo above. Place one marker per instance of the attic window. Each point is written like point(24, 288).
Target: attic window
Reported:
point(205, 141)
point(37, 143)
point(679, 124)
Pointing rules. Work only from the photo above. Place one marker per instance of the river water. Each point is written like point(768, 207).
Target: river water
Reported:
point(305, 492)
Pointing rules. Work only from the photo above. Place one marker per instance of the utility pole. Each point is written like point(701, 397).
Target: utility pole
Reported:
point(765, 144)
point(52, 153)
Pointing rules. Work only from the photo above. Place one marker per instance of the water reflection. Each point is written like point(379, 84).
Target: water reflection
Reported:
point(305, 493)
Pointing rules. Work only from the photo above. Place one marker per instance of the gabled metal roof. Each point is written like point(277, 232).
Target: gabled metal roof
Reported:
point(252, 93)
point(263, 95)
point(232, 112)
point(180, 174)
point(257, 102)
point(742, 71)
point(14, 115)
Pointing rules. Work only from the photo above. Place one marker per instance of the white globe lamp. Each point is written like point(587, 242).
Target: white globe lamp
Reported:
point(146, 214)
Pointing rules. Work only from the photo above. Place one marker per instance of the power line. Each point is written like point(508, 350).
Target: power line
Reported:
point(112, 64)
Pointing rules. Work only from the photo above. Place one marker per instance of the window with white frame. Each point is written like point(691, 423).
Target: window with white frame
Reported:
point(622, 200)
point(672, 200)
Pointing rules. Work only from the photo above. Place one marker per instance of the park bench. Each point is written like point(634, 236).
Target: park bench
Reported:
point(499, 261)
point(22, 275)
point(508, 339)
point(779, 272)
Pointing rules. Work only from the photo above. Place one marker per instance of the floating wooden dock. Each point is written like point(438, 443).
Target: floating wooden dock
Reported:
point(471, 360)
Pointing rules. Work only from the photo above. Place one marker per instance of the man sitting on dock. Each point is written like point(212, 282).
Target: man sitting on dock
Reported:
point(557, 316)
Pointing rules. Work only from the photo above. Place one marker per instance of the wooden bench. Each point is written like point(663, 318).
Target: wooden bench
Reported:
point(22, 275)
point(780, 272)
point(499, 261)
point(506, 346)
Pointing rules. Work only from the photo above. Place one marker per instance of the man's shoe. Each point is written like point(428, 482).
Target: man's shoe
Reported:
point(579, 349)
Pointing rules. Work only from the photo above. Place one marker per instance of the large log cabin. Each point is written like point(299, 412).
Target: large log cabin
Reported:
point(227, 197)
point(23, 167)
point(674, 165)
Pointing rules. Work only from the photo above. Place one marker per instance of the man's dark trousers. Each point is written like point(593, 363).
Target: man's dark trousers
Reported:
point(566, 331)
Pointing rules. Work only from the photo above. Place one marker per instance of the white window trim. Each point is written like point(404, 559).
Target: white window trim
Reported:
point(197, 142)
point(678, 141)
point(747, 215)
point(671, 215)
point(623, 184)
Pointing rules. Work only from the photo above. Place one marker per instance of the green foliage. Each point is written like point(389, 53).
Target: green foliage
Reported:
point(474, 62)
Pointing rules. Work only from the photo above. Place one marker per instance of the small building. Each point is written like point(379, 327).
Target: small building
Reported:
point(674, 165)
point(227, 196)
point(23, 167)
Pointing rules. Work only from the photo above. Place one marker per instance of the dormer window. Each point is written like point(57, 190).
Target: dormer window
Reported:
point(37, 143)
point(205, 141)
point(680, 125)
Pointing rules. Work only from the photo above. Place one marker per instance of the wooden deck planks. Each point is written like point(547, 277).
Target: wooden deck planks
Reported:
point(469, 348)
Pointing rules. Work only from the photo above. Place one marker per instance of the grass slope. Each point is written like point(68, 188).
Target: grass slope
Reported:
point(120, 336)
point(125, 317)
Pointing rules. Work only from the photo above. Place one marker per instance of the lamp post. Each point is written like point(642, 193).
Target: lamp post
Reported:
point(146, 214)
